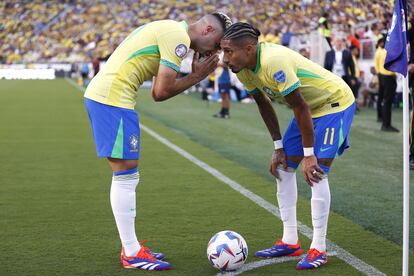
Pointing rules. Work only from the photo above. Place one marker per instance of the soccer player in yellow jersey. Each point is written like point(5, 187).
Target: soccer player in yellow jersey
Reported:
point(154, 49)
point(323, 107)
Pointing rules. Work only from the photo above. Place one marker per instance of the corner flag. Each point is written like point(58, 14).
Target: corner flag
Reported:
point(396, 44)
point(397, 61)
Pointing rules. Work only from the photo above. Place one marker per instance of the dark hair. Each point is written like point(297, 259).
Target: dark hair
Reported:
point(241, 30)
point(224, 20)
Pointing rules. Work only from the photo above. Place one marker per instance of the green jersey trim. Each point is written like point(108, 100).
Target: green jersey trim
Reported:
point(302, 73)
point(254, 91)
point(170, 64)
point(258, 59)
point(291, 89)
point(150, 50)
point(185, 25)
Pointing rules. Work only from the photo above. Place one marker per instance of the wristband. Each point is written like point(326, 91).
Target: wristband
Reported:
point(308, 151)
point(278, 144)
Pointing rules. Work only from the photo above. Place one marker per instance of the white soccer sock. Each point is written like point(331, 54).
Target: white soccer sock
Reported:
point(320, 204)
point(287, 194)
point(124, 209)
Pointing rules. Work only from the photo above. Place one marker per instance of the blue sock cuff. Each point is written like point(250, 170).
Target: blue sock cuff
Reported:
point(324, 168)
point(130, 171)
point(292, 164)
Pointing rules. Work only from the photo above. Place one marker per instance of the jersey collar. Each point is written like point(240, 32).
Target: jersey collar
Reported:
point(184, 25)
point(258, 59)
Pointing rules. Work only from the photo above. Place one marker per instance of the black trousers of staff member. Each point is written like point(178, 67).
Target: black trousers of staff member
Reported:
point(380, 97)
point(389, 85)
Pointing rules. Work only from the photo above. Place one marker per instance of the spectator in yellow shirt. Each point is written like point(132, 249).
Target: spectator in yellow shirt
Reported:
point(387, 87)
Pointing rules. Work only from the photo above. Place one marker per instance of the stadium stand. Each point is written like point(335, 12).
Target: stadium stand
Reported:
point(75, 31)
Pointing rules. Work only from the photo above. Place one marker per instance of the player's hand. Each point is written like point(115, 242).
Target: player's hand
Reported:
point(313, 173)
point(202, 68)
point(278, 157)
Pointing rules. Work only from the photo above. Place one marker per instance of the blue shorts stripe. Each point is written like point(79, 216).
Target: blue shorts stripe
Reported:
point(131, 171)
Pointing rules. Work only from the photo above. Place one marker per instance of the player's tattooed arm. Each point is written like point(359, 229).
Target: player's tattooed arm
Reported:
point(167, 85)
point(311, 169)
point(270, 119)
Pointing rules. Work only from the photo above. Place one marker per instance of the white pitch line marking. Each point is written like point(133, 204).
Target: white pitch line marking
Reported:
point(265, 262)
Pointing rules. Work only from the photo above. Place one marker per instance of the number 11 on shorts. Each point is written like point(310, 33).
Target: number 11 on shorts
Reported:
point(325, 141)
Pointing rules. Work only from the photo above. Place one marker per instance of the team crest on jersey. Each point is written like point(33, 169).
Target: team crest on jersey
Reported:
point(279, 76)
point(181, 50)
point(268, 91)
point(133, 143)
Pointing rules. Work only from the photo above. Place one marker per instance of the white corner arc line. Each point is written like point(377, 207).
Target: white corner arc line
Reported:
point(265, 262)
point(305, 230)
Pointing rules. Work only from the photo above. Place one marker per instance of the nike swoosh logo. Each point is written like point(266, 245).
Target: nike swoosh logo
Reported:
point(324, 149)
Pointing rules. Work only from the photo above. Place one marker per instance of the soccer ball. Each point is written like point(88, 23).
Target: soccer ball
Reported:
point(227, 250)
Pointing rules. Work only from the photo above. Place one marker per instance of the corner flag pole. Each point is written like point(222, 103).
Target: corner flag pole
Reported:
point(406, 177)
point(396, 60)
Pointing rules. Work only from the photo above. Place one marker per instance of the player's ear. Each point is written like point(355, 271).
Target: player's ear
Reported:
point(208, 29)
point(249, 48)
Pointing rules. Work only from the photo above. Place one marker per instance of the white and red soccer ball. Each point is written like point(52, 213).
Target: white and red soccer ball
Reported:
point(227, 250)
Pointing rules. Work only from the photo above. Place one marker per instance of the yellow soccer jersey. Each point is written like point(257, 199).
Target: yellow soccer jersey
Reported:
point(280, 70)
point(137, 59)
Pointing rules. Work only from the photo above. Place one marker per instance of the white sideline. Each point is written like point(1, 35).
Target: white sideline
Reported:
point(302, 228)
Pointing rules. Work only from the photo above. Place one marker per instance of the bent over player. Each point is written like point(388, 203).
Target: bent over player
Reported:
point(154, 49)
point(323, 107)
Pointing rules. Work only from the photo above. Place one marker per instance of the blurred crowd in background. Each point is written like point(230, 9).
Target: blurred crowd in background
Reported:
point(74, 30)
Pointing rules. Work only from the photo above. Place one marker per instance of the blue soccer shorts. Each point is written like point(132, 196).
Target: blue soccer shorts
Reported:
point(224, 88)
point(115, 130)
point(331, 135)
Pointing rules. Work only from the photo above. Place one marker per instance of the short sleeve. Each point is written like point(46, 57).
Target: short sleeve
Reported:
point(250, 87)
point(173, 47)
point(283, 76)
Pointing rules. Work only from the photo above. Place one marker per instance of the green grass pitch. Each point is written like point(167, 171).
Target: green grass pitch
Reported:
point(55, 217)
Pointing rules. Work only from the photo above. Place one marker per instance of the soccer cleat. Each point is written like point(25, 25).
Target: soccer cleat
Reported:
point(280, 249)
point(221, 115)
point(143, 260)
point(389, 129)
point(158, 256)
point(313, 259)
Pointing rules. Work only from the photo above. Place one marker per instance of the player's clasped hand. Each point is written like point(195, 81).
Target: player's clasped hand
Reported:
point(278, 157)
point(313, 173)
point(202, 68)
